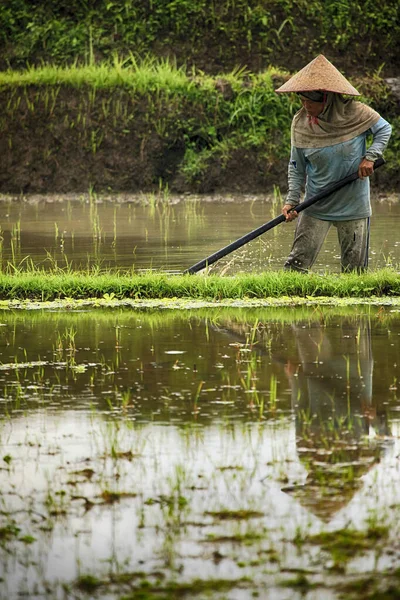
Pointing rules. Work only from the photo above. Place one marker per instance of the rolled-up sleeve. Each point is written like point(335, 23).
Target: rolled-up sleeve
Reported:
point(296, 176)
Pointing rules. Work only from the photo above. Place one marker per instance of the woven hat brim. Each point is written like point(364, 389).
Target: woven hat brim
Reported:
point(319, 74)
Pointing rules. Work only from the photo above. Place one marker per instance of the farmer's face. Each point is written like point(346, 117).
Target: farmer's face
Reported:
point(313, 108)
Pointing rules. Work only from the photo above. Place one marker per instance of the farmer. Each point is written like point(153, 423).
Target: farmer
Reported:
point(328, 140)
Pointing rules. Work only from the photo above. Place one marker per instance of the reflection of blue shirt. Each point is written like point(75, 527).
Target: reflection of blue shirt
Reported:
point(319, 167)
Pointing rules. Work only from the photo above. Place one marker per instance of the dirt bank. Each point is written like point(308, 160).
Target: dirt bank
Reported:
point(114, 141)
point(61, 139)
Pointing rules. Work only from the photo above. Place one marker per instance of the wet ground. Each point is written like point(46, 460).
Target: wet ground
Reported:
point(212, 453)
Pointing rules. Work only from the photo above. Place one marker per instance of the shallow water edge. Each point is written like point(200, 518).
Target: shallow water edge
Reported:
point(189, 304)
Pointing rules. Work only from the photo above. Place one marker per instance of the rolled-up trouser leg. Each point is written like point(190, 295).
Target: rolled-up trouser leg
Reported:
point(354, 244)
point(308, 239)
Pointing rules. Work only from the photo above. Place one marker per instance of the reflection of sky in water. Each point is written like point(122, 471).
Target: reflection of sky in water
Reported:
point(215, 467)
point(228, 409)
point(147, 233)
point(164, 451)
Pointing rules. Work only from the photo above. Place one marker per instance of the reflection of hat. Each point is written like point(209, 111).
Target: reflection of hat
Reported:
point(319, 74)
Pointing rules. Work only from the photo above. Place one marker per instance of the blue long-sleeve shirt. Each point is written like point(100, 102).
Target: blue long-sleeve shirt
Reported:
point(318, 167)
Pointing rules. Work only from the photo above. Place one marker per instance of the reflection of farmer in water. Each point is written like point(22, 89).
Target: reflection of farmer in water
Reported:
point(329, 366)
point(332, 396)
point(333, 375)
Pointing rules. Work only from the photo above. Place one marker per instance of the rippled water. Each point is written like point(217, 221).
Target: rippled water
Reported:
point(168, 233)
point(142, 450)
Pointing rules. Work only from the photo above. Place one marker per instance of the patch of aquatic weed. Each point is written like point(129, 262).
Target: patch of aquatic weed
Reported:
point(382, 586)
point(301, 583)
point(344, 544)
point(247, 538)
point(152, 586)
point(234, 515)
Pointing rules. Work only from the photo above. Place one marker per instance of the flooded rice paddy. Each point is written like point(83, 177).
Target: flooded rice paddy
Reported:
point(226, 453)
point(168, 233)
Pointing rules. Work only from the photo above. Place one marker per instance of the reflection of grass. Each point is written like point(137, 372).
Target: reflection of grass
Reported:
point(373, 587)
point(272, 316)
point(235, 515)
point(300, 582)
point(9, 532)
point(110, 497)
point(146, 590)
point(343, 544)
point(88, 583)
point(169, 506)
point(246, 538)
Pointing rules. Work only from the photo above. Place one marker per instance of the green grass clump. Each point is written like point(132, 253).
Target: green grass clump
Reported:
point(141, 76)
point(45, 286)
point(344, 544)
point(185, 590)
point(147, 590)
point(348, 541)
point(88, 583)
point(234, 515)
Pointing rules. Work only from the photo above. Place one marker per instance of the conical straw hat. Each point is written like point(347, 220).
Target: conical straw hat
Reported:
point(319, 74)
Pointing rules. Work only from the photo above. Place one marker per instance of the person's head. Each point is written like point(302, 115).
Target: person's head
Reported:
point(313, 102)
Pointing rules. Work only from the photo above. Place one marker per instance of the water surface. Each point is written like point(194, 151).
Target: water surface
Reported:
point(168, 233)
point(147, 449)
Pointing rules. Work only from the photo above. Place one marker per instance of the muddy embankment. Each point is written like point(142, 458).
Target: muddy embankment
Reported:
point(64, 139)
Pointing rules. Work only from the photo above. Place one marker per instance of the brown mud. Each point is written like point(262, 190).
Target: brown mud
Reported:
point(73, 147)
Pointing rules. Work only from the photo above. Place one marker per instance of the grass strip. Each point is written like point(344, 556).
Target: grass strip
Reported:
point(45, 286)
point(141, 75)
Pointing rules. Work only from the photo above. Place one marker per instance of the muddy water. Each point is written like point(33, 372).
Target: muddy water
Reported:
point(143, 451)
point(167, 233)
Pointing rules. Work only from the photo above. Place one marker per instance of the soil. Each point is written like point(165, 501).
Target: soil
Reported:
point(74, 147)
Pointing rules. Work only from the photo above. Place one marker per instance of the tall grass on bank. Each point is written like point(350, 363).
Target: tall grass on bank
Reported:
point(142, 76)
point(44, 286)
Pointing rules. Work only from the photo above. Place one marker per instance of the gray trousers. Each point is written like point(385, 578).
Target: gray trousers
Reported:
point(310, 235)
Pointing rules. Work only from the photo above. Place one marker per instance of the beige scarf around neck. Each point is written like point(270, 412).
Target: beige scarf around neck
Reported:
point(340, 121)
